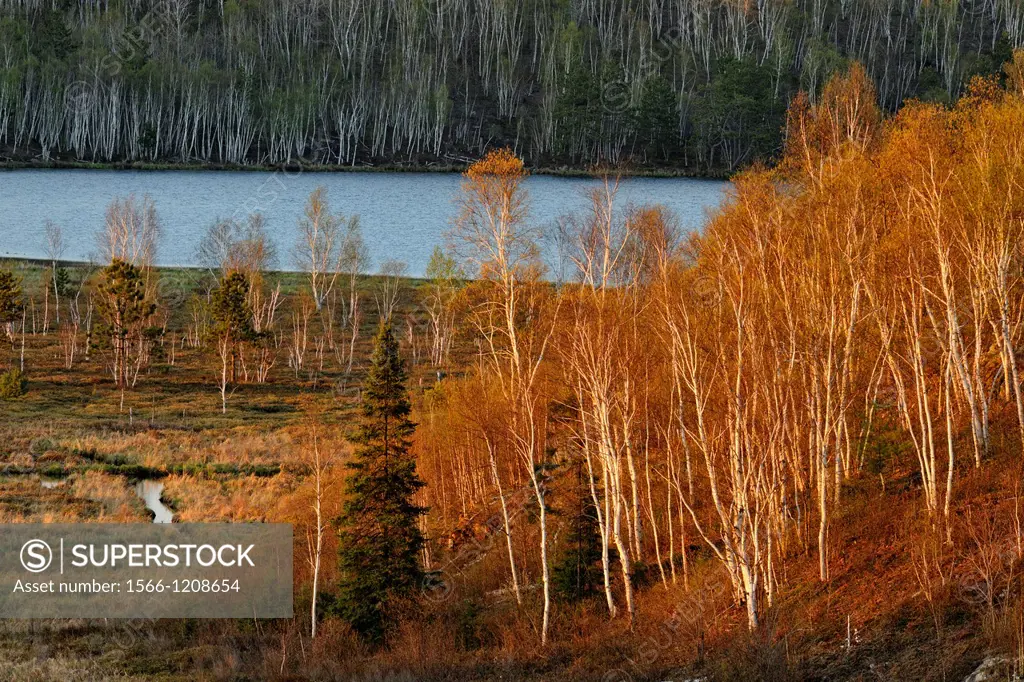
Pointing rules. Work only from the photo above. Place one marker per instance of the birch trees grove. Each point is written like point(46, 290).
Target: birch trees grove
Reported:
point(728, 387)
point(365, 81)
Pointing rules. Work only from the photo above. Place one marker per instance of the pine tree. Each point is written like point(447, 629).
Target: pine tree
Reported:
point(12, 382)
point(232, 315)
point(10, 302)
point(125, 309)
point(577, 575)
point(379, 536)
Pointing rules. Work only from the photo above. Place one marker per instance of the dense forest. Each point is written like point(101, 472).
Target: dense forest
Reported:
point(696, 85)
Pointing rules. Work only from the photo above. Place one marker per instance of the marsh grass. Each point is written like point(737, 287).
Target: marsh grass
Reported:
point(118, 501)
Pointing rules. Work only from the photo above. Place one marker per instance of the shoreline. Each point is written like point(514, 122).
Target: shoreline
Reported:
point(29, 262)
point(560, 171)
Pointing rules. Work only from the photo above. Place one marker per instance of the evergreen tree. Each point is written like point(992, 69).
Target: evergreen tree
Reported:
point(379, 537)
point(738, 117)
point(577, 110)
point(60, 279)
point(657, 118)
point(577, 573)
point(125, 308)
point(11, 305)
point(10, 299)
point(53, 38)
point(232, 315)
point(230, 308)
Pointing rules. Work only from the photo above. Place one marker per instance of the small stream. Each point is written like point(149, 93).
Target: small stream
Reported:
point(150, 491)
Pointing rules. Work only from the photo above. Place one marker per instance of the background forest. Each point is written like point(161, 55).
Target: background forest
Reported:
point(694, 85)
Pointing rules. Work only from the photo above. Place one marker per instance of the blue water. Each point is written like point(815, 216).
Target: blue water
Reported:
point(403, 215)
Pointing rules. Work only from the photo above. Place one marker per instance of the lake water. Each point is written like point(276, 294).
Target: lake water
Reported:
point(403, 215)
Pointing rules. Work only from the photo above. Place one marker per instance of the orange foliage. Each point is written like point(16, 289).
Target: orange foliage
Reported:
point(727, 387)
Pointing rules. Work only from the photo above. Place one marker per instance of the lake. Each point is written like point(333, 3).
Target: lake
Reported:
point(403, 215)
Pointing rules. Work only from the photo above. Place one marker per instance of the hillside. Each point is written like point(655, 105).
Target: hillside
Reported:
point(693, 85)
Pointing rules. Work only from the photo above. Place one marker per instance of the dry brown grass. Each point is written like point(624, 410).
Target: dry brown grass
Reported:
point(62, 668)
point(24, 500)
point(248, 498)
point(119, 502)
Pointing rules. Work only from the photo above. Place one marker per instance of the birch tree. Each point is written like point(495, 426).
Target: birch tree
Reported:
point(55, 249)
point(318, 248)
point(515, 319)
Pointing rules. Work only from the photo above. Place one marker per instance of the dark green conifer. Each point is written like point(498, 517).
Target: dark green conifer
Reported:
point(11, 304)
point(124, 308)
point(379, 536)
point(577, 574)
point(232, 316)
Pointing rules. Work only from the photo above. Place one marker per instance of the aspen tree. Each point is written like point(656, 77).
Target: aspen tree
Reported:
point(474, 402)
point(355, 260)
point(389, 278)
point(320, 453)
point(131, 233)
point(598, 346)
point(440, 303)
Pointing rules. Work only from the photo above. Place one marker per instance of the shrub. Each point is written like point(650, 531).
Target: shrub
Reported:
point(13, 384)
point(40, 446)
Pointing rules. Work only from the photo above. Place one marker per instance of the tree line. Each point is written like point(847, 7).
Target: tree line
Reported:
point(696, 84)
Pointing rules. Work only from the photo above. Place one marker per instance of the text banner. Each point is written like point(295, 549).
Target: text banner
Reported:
point(187, 570)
